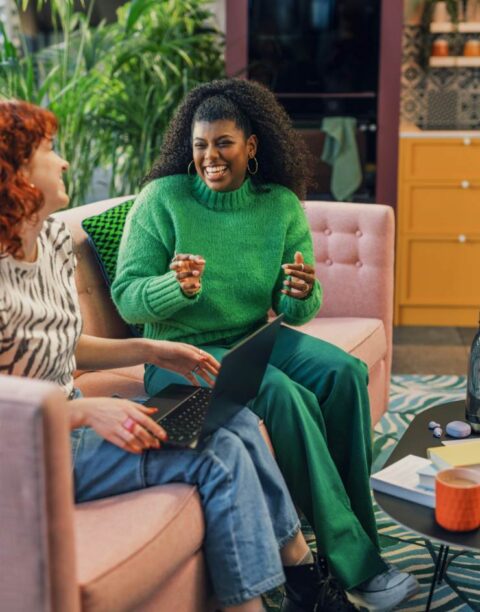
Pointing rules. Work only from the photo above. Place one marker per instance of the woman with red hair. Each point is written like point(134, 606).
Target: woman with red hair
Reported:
point(252, 527)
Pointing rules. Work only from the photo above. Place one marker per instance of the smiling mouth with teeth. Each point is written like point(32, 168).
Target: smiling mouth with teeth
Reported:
point(215, 172)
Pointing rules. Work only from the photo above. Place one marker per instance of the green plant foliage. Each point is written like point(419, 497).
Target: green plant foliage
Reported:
point(114, 87)
point(453, 8)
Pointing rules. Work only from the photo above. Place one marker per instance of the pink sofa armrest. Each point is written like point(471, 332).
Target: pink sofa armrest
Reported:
point(36, 502)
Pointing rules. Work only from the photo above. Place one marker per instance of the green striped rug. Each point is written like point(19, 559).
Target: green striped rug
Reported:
point(409, 395)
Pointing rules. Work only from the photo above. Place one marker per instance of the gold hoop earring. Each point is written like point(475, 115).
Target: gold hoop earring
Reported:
point(255, 170)
point(188, 168)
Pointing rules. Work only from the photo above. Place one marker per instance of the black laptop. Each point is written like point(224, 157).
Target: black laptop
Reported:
point(190, 414)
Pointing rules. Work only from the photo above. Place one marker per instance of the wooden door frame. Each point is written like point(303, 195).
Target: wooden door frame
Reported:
point(388, 110)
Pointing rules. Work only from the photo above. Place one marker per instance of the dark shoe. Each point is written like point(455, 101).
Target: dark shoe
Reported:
point(309, 588)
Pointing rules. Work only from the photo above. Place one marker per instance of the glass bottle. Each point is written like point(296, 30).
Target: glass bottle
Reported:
point(472, 412)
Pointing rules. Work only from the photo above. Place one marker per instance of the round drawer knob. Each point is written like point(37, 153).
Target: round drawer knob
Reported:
point(462, 238)
point(467, 141)
point(465, 184)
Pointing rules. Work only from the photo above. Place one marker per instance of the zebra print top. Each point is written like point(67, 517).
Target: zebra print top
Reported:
point(40, 321)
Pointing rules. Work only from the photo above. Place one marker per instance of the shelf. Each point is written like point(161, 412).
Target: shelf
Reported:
point(465, 27)
point(454, 62)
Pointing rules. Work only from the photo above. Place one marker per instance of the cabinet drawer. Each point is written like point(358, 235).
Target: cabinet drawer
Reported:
point(439, 272)
point(441, 159)
point(440, 209)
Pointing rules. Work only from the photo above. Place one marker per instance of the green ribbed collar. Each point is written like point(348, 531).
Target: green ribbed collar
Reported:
point(222, 200)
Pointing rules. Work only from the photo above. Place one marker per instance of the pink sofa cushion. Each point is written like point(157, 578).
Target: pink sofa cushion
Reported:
point(129, 544)
point(364, 338)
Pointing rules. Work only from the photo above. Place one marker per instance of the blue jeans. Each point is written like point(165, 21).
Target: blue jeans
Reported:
point(248, 511)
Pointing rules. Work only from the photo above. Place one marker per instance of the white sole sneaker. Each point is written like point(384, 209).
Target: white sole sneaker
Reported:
point(388, 598)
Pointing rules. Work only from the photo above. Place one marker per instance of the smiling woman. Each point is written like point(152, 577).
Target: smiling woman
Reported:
point(220, 153)
point(203, 259)
point(222, 147)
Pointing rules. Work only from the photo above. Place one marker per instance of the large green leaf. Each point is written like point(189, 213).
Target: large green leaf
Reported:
point(115, 87)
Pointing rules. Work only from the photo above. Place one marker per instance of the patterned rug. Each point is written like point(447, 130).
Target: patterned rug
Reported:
point(409, 395)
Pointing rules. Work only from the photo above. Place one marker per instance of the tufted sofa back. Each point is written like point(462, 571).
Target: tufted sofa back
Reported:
point(353, 246)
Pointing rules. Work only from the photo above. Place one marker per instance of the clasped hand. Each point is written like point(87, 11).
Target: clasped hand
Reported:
point(301, 279)
point(188, 270)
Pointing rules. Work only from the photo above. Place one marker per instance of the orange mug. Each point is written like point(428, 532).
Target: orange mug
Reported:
point(457, 499)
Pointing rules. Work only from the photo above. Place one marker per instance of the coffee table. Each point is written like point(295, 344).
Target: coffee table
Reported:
point(420, 519)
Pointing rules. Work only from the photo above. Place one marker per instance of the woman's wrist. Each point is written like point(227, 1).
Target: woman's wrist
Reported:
point(154, 349)
point(78, 413)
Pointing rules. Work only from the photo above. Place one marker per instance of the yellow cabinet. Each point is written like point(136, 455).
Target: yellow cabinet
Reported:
point(442, 159)
point(438, 232)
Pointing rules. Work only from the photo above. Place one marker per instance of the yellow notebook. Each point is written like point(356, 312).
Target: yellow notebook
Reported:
point(466, 454)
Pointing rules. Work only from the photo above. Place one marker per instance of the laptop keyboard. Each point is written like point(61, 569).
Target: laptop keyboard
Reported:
point(186, 421)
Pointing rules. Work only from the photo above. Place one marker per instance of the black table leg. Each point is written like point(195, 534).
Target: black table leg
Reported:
point(440, 566)
point(445, 564)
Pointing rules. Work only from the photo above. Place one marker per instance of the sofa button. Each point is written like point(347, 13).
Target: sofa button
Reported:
point(359, 264)
point(327, 232)
point(328, 262)
point(358, 234)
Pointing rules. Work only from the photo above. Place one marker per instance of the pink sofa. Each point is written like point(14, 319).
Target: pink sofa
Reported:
point(142, 551)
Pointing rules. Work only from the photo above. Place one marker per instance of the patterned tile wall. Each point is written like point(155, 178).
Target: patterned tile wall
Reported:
point(438, 97)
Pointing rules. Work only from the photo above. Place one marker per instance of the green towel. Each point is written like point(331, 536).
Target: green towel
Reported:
point(341, 152)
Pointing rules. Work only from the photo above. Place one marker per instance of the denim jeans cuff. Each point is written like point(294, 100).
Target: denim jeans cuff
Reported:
point(291, 534)
point(254, 591)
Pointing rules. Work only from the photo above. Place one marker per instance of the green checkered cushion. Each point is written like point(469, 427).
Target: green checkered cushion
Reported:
point(104, 234)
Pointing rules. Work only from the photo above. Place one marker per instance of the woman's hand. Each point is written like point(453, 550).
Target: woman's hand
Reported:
point(189, 270)
point(187, 360)
point(120, 421)
point(302, 278)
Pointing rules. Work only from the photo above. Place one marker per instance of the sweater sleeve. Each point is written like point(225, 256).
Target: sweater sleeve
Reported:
point(298, 238)
point(144, 289)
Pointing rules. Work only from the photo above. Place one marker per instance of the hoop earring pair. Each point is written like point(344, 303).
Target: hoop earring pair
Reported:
point(189, 167)
point(255, 169)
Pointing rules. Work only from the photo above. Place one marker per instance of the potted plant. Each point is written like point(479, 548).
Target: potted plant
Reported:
point(114, 87)
point(441, 11)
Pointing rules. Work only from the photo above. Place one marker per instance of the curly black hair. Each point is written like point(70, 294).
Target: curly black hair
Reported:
point(281, 153)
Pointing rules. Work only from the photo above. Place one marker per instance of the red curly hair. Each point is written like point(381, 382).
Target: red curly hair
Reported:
point(23, 126)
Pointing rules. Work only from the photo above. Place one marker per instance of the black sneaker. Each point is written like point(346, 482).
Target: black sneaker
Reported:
point(310, 588)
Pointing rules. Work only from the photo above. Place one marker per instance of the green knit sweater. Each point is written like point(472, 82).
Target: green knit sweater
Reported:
point(245, 236)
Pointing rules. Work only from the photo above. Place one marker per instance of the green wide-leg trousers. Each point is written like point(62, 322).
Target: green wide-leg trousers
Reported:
point(314, 402)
